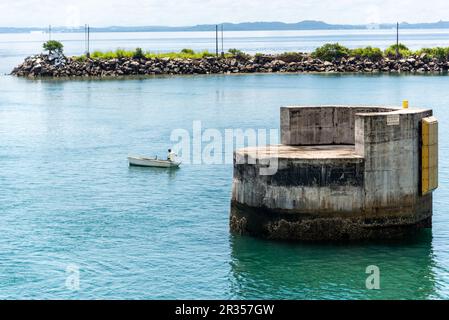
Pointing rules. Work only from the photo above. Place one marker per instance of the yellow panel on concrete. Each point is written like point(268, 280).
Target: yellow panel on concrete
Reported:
point(425, 133)
point(429, 155)
point(425, 156)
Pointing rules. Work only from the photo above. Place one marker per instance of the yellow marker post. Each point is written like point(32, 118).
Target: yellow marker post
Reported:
point(429, 155)
point(405, 104)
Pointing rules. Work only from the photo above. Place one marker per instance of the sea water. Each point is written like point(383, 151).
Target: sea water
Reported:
point(71, 206)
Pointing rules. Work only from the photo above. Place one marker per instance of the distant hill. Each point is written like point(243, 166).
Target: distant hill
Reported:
point(244, 26)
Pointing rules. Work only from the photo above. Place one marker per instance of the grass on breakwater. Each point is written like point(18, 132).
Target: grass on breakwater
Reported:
point(335, 51)
point(327, 52)
point(138, 53)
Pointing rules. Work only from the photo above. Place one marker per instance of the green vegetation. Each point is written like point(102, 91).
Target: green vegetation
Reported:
point(238, 54)
point(374, 54)
point(403, 51)
point(442, 54)
point(330, 52)
point(53, 46)
point(188, 51)
point(327, 52)
point(180, 55)
point(335, 51)
point(138, 53)
point(183, 54)
point(119, 53)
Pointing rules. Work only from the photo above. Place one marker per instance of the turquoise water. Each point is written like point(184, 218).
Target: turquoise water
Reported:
point(68, 196)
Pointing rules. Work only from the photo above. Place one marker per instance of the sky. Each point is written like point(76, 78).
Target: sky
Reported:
point(33, 13)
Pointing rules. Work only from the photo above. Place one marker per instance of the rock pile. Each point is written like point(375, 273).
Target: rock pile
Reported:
point(47, 66)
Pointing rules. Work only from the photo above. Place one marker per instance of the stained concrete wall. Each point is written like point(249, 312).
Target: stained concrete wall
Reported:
point(314, 187)
point(390, 144)
point(303, 125)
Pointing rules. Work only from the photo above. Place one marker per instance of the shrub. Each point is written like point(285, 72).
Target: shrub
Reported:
point(138, 54)
point(235, 52)
point(96, 54)
point(53, 45)
point(291, 56)
point(374, 54)
point(239, 54)
point(206, 54)
point(121, 53)
point(188, 51)
point(330, 52)
point(103, 55)
point(428, 51)
point(402, 50)
point(109, 55)
point(442, 54)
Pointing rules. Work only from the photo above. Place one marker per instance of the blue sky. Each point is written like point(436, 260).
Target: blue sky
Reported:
point(191, 12)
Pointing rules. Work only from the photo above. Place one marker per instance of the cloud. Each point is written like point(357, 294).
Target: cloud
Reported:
point(191, 12)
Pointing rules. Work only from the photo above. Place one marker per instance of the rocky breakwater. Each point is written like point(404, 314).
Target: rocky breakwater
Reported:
point(47, 66)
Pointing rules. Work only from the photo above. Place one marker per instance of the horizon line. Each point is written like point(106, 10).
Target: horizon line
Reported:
point(230, 23)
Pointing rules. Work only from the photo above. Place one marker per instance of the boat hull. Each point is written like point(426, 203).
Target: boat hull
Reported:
point(155, 163)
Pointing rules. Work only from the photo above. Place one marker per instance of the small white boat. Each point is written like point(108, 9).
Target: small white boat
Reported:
point(152, 162)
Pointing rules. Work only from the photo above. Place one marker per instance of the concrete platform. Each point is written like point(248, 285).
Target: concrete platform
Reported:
point(342, 173)
point(301, 152)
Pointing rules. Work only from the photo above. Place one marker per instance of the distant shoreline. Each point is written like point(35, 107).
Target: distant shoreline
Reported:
point(244, 26)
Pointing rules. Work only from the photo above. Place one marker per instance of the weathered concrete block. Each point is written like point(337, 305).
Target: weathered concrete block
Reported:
point(343, 173)
point(304, 125)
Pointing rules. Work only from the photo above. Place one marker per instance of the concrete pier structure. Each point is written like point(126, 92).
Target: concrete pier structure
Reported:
point(343, 173)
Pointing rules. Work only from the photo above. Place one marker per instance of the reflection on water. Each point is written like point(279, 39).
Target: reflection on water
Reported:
point(266, 269)
point(149, 172)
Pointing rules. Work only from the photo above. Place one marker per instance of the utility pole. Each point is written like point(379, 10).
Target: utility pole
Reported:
point(397, 40)
point(88, 41)
point(216, 39)
point(49, 32)
point(222, 42)
point(85, 38)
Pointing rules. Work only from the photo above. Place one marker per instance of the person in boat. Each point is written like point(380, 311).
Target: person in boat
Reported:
point(171, 155)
